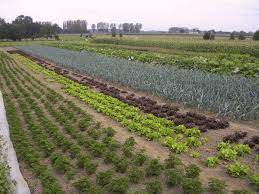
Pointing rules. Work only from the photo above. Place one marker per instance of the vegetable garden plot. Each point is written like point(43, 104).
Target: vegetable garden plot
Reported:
point(75, 149)
point(71, 86)
point(231, 96)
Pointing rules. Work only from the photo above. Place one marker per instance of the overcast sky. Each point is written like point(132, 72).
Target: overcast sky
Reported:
point(153, 14)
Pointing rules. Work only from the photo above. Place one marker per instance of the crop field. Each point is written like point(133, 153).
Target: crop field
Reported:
point(220, 56)
point(194, 88)
point(138, 114)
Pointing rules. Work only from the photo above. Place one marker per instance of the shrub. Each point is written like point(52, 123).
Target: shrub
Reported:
point(154, 168)
point(256, 35)
point(154, 187)
point(140, 158)
point(173, 178)
point(216, 185)
point(135, 175)
point(104, 178)
point(118, 186)
point(192, 171)
point(237, 169)
point(254, 180)
point(211, 161)
point(192, 186)
point(172, 161)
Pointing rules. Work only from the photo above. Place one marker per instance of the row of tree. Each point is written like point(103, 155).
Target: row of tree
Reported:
point(125, 27)
point(23, 27)
point(75, 26)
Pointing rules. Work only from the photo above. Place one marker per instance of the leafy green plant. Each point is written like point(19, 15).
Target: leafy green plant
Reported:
point(135, 175)
point(86, 163)
point(192, 171)
point(109, 131)
point(121, 165)
point(192, 186)
point(237, 169)
point(104, 178)
point(211, 161)
point(84, 123)
point(140, 158)
point(172, 161)
point(154, 187)
point(119, 185)
point(154, 168)
point(254, 180)
point(256, 159)
point(227, 153)
point(216, 185)
point(242, 149)
point(173, 177)
point(241, 191)
point(195, 154)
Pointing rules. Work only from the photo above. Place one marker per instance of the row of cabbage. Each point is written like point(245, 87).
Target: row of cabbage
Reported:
point(232, 96)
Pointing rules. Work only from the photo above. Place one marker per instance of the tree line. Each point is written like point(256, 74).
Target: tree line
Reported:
point(23, 27)
point(125, 27)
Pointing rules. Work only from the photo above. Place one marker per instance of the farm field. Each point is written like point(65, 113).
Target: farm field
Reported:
point(219, 56)
point(191, 87)
point(140, 114)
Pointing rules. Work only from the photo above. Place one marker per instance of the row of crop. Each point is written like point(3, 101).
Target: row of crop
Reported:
point(135, 175)
point(244, 65)
point(231, 96)
point(25, 149)
point(177, 138)
point(6, 185)
point(187, 44)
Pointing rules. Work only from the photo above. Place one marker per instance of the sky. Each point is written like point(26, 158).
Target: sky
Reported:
point(226, 15)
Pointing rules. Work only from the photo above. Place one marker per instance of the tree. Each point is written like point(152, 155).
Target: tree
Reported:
point(209, 35)
point(232, 36)
point(75, 26)
point(126, 27)
point(93, 27)
point(113, 30)
point(2, 21)
point(256, 35)
point(138, 27)
point(242, 35)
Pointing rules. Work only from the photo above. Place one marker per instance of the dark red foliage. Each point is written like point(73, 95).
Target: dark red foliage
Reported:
point(235, 137)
